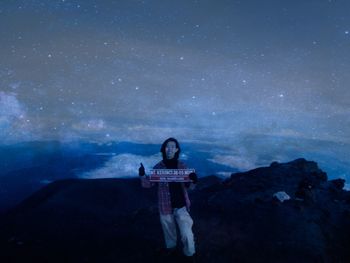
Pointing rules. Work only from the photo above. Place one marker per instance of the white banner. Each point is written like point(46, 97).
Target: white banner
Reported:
point(171, 175)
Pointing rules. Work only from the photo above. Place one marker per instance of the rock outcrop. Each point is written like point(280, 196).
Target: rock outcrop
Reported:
point(236, 220)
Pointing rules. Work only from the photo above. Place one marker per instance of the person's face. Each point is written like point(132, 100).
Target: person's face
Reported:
point(170, 150)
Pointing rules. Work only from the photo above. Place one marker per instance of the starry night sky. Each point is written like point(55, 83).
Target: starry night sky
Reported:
point(203, 71)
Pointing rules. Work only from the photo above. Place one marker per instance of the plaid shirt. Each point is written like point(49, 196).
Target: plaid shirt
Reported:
point(164, 201)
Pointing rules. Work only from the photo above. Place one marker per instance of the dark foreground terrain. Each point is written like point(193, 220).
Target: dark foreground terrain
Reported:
point(236, 220)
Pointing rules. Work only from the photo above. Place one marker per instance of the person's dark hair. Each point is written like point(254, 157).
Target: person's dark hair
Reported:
point(162, 149)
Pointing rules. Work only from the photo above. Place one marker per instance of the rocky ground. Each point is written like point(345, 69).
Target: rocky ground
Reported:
point(236, 220)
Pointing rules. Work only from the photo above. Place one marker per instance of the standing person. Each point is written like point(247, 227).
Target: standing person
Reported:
point(173, 200)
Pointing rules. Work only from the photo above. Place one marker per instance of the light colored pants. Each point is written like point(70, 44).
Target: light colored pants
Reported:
point(184, 222)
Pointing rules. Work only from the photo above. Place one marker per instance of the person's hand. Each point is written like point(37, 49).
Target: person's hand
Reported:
point(193, 177)
point(142, 170)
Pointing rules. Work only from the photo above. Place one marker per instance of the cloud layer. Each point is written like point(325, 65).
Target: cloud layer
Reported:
point(14, 122)
point(122, 166)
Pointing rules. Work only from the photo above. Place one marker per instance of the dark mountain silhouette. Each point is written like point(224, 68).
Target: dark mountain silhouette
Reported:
point(236, 220)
